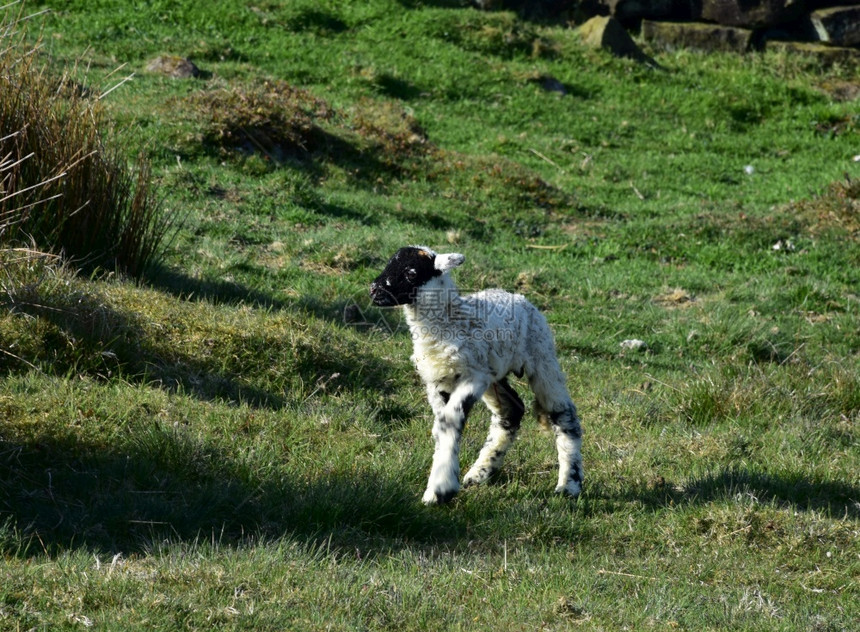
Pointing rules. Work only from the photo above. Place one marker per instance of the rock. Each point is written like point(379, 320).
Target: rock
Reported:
point(750, 13)
point(551, 84)
point(173, 66)
point(838, 25)
point(529, 8)
point(827, 55)
point(841, 90)
point(607, 32)
point(352, 314)
point(634, 344)
point(697, 35)
point(784, 246)
point(630, 10)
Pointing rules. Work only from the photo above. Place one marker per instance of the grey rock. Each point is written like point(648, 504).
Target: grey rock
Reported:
point(173, 66)
point(697, 36)
point(608, 33)
point(838, 25)
point(750, 13)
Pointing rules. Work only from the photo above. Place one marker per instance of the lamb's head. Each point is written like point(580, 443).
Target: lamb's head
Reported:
point(409, 270)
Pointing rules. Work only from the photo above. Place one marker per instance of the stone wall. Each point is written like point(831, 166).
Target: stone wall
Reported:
point(722, 24)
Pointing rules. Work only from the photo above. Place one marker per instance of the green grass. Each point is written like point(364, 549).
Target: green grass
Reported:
point(239, 441)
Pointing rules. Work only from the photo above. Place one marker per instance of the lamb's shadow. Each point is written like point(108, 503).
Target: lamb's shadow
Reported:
point(164, 484)
point(835, 498)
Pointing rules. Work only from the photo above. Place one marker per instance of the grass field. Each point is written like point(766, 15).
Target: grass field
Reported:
point(239, 441)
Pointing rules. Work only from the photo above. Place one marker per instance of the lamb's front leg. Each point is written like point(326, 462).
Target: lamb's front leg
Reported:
point(451, 410)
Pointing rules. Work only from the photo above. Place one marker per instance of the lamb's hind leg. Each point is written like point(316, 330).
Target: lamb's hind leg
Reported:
point(568, 441)
point(553, 404)
point(507, 412)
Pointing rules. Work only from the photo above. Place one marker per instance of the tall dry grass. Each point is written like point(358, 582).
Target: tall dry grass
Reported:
point(66, 185)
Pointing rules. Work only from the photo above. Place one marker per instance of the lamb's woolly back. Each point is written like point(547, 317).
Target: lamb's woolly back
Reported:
point(463, 349)
point(487, 331)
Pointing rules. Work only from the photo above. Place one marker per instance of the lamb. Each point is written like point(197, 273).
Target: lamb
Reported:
point(464, 347)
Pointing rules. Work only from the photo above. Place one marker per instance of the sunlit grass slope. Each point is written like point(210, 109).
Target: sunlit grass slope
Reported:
point(239, 441)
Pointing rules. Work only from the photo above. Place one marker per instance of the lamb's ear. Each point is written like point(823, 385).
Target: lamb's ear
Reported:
point(443, 263)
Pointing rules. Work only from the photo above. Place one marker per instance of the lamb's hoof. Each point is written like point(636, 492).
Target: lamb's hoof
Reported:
point(475, 478)
point(432, 497)
point(572, 489)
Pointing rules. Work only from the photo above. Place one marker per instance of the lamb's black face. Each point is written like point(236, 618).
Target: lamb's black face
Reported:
point(408, 269)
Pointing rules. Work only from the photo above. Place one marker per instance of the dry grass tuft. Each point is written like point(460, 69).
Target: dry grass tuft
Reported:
point(64, 182)
point(274, 118)
point(838, 208)
point(676, 297)
point(391, 126)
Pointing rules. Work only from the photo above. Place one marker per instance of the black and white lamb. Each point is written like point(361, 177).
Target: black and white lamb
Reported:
point(464, 347)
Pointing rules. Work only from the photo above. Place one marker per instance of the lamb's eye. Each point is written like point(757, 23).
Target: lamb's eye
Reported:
point(411, 274)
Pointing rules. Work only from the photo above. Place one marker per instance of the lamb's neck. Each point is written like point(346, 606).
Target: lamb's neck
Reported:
point(433, 303)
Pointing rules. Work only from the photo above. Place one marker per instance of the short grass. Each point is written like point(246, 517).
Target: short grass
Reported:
point(239, 441)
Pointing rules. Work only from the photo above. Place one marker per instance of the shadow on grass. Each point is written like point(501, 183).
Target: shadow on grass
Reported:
point(341, 212)
point(365, 160)
point(185, 287)
point(57, 493)
point(80, 335)
point(366, 165)
point(550, 11)
point(397, 88)
point(317, 21)
point(834, 498)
